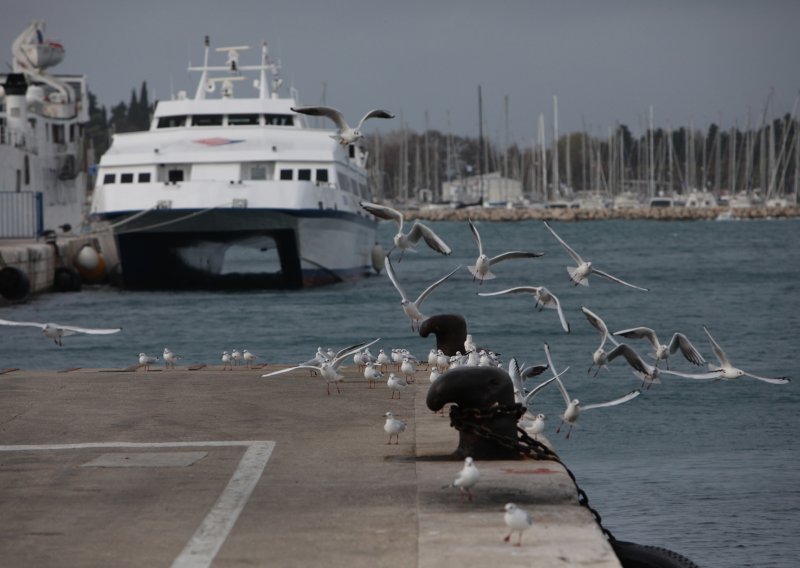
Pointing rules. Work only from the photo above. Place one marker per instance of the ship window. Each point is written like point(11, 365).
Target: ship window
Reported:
point(27, 170)
point(278, 119)
point(242, 119)
point(175, 175)
point(344, 183)
point(110, 178)
point(58, 133)
point(207, 120)
point(144, 177)
point(322, 175)
point(286, 174)
point(363, 188)
point(304, 175)
point(258, 172)
point(172, 121)
point(126, 178)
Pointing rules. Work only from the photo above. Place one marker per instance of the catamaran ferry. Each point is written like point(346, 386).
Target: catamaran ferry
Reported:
point(226, 192)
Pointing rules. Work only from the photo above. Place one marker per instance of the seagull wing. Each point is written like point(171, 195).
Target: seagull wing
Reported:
point(680, 341)
point(723, 359)
point(540, 386)
point(630, 396)
point(89, 330)
point(330, 112)
point(393, 278)
point(598, 323)
point(631, 356)
point(420, 231)
point(701, 376)
point(514, 290)
point(640, 333)
point(374, 113)
point(513, 254)
point(544, 291)
point(575, 256)
point(433, 287)
point(22, 323)
point(617, 280)
point(477, 236)
point(559, 384)
point(347, 351)
point(289, 369)
point(384, 212)
point(535, 371)
point(773, 380)
point(516, 376)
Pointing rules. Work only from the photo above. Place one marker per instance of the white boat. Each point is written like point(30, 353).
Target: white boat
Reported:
point(226, 192)
point(43, 117)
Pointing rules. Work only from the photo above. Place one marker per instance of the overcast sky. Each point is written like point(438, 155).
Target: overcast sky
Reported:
point(607, 61)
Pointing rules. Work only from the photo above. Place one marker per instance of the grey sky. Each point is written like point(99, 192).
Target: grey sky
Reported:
point(607, 61)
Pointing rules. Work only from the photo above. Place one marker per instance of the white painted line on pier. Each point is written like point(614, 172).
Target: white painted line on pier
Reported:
point(209, 537)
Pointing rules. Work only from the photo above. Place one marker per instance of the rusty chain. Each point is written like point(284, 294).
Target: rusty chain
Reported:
point(464, 419)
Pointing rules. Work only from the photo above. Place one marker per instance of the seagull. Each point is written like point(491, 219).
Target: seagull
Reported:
point(727, 371)
point(466, 478)
point(372, 374)
point(396, 384)
point(226, 361)
point(544, 299)
point(580, 274)
point(650, 374)
point(170, 358)
point(146, 360)
point(482, 268)
point(599, 356)
point(535, 426)
point(56, 331)
point(383, 360)
point(235, 356)
point(516, 520)
point(519, 375)
point(345, 134)
point(435, 374)
point(407, 241)
point(573, 406)
point(409, 368)
point(663, 351)
point(248, 357)
point(393, 427)
point(328, 369)
point(412, 309)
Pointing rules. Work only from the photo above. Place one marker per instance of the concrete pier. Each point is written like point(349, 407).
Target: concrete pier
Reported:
point(225, 468)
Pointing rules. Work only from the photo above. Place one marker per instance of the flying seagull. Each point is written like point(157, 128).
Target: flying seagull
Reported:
point(600, 356)
point(580, 274)
point(412, 308)
point(544, 299)
point(727, 371)
point(56, 331)
point(661, 350)
point(483, 264)
point(345, 135)
point(407, 241)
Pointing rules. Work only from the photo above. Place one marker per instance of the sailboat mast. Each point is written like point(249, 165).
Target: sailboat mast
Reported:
point(556, 180)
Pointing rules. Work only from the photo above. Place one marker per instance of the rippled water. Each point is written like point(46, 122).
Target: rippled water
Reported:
point(708, 469)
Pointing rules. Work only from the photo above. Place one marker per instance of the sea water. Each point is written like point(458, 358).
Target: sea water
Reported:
point(706, 468)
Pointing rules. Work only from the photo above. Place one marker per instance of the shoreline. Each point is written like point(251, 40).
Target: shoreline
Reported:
point(643, 213)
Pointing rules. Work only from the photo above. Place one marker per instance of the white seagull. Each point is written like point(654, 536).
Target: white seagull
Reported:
point(393, 427)
point(170, 358)
point(345, 134)
point(650, 374)
point(407, 241)
point(573, 406)
point(661, 350)
point(372, 374)
point(412, 308)
point(56, 331)
point(146, 360)
point(466, 479)
point(226, 361)
point(544, 299)
point(396, 384)
point(516, 519)
point(248, 357)
point(328, 369)
point(520, 375)
point(482, 267)
point(580, 274)
point(727, 371)
point(600, 356)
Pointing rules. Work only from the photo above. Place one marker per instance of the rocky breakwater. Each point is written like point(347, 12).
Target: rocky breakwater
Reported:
point(648, 213)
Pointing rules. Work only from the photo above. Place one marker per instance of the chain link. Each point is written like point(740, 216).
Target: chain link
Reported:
point(465, 420)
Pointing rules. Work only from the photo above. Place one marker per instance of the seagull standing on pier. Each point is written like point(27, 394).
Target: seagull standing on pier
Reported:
point(412, 308)
point(345, 135)
point(393, 427)
point(482, 267)
point(407, 241)
point(580, 274)
point(170, 358)
point(466, 478)
point(226, 361)
point(56, 331)
point(146, 360)
point(248, 358)
point(518, 520)
point(396, 384)
point(372, 374)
